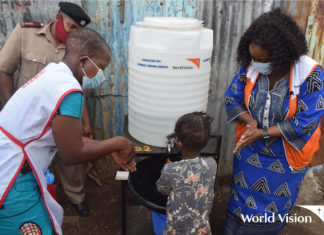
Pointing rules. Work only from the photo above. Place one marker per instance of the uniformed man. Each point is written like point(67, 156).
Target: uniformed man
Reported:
point(29, 48)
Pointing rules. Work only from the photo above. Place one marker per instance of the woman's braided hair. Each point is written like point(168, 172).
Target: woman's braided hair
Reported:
point(193, 130)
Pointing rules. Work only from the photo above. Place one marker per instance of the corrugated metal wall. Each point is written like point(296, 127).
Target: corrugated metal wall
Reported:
point(228, 18)
point(315, 31)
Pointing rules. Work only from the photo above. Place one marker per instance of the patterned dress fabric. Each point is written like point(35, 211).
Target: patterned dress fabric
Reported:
point(190, 186)
point(263, 182)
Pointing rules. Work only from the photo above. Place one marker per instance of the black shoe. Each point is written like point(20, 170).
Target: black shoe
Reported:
point(82, 209)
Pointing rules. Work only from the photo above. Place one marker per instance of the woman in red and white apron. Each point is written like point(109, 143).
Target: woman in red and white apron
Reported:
point(41, 118)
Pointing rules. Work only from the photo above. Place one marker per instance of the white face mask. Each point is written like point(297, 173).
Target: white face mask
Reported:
point(264, 68)
point(94, 82)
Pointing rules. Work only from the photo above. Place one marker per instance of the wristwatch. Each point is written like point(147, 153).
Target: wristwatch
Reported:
point(265, 133)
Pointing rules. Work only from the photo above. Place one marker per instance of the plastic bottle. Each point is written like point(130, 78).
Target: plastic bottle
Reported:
point(51, 185)
point(50, 178)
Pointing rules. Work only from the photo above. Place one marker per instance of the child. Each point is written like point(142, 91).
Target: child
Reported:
point(189, 182)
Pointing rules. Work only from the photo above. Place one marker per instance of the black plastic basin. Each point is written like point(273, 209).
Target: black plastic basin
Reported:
point(143, 183)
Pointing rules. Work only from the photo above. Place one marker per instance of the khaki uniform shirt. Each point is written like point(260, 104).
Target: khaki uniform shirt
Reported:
point(29, 50)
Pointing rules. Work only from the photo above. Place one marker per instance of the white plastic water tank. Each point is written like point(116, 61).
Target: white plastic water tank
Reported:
point(169, 71)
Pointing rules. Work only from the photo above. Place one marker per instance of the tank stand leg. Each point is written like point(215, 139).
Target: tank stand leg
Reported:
point(124, 206)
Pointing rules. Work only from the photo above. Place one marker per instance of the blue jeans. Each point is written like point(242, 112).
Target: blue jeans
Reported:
point(234, 226)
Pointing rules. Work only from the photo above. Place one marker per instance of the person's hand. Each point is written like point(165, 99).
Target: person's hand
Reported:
point(253, 124)
point(250, 135)
point(248, 138)
point(168, 161)
point(124, 157)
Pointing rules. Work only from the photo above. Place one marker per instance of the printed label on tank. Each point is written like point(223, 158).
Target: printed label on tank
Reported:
point(182, 67)
point(175, 64)
point(152, 63)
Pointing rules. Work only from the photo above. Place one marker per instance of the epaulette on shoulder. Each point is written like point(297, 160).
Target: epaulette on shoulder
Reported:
point(31, 24)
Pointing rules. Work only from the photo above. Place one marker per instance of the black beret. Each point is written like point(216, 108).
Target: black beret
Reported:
point(75, 12)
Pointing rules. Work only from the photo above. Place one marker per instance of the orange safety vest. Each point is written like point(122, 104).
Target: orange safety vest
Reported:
point(298, 74)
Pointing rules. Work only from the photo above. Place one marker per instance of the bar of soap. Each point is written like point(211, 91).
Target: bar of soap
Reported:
point(122, 175)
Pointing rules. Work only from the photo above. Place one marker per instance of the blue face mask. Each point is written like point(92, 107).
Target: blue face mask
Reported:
point(264, 68)
point(94, 82)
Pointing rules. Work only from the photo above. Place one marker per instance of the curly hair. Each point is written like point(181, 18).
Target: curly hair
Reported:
point(193, 130)
point(276, 33)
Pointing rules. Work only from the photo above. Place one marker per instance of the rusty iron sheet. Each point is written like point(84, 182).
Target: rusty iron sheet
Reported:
point(315, 31)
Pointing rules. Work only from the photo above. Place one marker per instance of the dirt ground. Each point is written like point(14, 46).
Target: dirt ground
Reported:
point(106, 216)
